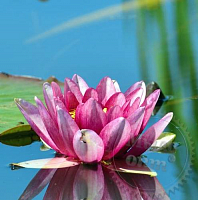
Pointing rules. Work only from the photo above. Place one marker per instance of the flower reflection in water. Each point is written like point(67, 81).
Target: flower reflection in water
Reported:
point(93, 182)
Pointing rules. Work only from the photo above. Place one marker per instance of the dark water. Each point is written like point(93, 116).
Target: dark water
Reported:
point(152, 42)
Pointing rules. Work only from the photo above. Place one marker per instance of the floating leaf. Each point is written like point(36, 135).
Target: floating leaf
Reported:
point(164, 143)
point(19, 136)
point(43, 147)
point(17, 87)
point(151, 87)
point(129, 166)
point(48, 163)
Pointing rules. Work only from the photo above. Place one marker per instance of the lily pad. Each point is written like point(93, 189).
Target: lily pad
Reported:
point(17, 87)
point(48, 163)
point(44, 147)
point(19, 136)
point(164, 143)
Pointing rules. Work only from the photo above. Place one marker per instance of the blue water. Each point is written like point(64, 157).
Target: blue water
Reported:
point(86, 50)
point(107, 47)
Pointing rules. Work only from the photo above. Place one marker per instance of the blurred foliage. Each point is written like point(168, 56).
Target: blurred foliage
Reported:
point(166, 44)
point(21, 135)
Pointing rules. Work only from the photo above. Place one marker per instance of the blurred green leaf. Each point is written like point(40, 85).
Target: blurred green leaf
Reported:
point(19, 136)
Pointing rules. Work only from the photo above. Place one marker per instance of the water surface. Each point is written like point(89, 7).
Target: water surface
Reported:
point(153, 42)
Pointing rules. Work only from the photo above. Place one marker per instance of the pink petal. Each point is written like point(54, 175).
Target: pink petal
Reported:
point(88, 146)
point(130, 109)
point(81, 83)
point(149, 187)
point(70, 100)
point(49, 99)
point(105, 90)
point(116, 99)
point(137, 85)
point(51, 127)
point(31, 114)
point(67, 128)
point(134, 95)
point(38, 183)
point(114, 113)
point(117, 188)
point(91, 116)
point(149, 137)
point(59, 103)
point(57, 91)
point(144, 184)
point(116, 85)
point(126, 105)
point(149, 104)
point(144, 93)
point(115, 135)
point(78, 114)
point(135, 121)
point(89, 183)
point(61, 185)
point(73, 87)
point(160, 192)
point(90, 93)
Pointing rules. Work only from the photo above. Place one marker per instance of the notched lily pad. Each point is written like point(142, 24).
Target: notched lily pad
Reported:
point(21, 135)
point(164, 144)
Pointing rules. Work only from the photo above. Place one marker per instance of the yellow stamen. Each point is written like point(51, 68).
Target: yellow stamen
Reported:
point(105, 110)
point(106, 162)
point(72, 112)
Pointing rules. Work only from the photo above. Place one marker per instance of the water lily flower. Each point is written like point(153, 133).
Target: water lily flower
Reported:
point(93, 125)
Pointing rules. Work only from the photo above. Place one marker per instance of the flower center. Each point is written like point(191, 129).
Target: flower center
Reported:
point(104, 110)
point(72, 112)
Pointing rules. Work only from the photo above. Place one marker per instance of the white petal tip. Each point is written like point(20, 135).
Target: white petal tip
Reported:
point(58, 108)
point(170, 115)
point(35, 98)
point(46, 85)
point(18, 100)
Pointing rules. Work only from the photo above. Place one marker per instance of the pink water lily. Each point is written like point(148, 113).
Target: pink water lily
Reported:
point(92, 125)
